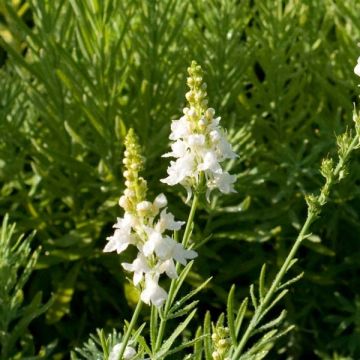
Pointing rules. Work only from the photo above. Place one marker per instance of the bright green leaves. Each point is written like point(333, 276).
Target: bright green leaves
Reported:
point(17, 262)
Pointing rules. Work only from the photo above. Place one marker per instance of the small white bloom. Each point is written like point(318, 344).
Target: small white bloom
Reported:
point(225, 150)
point(180, 169)
point(119, 241)
point(179, 128)
point(168, 266)
point(167, 222)
point(357, 67)
point(225, 182)
point(179, 149)
point(139, 266)
point(152, 292)
point(181, 255)
point(168, 248)
point(153, 242)
point(129, 352)
point(210, 162)
point(125, 223)
point(196, 140)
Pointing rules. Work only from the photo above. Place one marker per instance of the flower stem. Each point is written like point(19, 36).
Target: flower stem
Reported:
point(262, 306)
point(190, 220)
point(169, 300)
point(311, 217)
point(129, 329)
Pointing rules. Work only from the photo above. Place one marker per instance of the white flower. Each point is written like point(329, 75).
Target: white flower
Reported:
point(139, 266)
point(168, 266)
point(179, 149)
point(357, 67)
point(167, 222)
point(152, 292)
point(118, 242)
point(181, 255)
point(225, 182)
point(154, 239)
point(179, 128)
point(129, 352)
point(180, 169)
point(210, 162)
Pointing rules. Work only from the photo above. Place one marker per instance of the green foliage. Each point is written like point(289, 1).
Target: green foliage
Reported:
point(78, 74)
point(17, 262)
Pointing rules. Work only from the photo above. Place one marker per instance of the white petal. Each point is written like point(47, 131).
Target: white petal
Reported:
point(152, 243)
point(153, 292)
point(179, 128)
point(210, 162)
point(225, 182)
point(169, 268)
point(119, 241)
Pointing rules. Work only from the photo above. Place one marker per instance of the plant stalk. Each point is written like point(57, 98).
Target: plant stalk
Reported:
point(169, 300)
point(129, 329)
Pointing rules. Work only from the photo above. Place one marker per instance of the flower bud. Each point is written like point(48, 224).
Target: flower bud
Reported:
point(216, 355)
point(144, 208)
point(160, 201)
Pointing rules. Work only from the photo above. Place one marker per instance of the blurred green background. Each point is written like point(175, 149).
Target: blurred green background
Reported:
point(76, 74)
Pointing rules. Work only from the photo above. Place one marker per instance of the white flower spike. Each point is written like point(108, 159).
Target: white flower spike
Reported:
point(200, 144)
point(144, 225)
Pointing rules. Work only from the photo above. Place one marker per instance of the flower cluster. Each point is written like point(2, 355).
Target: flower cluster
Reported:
point(199, 143)
point(145, 225)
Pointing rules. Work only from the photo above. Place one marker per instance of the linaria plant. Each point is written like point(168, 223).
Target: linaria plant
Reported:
point(200, 147)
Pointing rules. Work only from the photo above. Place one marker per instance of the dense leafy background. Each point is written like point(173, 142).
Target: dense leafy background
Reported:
point(75, 75)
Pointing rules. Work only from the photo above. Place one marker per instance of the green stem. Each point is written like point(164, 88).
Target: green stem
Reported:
point(302, 235)
point(187, 232)
point(169, 300)
point(129, 329)
point(262, 306)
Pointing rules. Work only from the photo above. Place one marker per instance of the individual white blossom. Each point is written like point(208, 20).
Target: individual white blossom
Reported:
point(152, 292)
point(199, 143)
point(357, 67)
point(139, 267)
point(129, 352)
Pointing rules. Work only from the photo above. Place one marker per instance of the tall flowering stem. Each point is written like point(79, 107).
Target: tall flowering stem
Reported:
point(199, 146)
point(346, 144)
point(146, 226)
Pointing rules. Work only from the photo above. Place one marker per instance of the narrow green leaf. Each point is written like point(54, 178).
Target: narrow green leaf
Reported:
point(230, 315)
point(240, 315)
point(207, 336)
point(272, 323)
point(273, 303)
point(183, 311)
point(291, 281)
point(188, 296)
point(170, 340)
point(262, 282)
point(253, 296)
